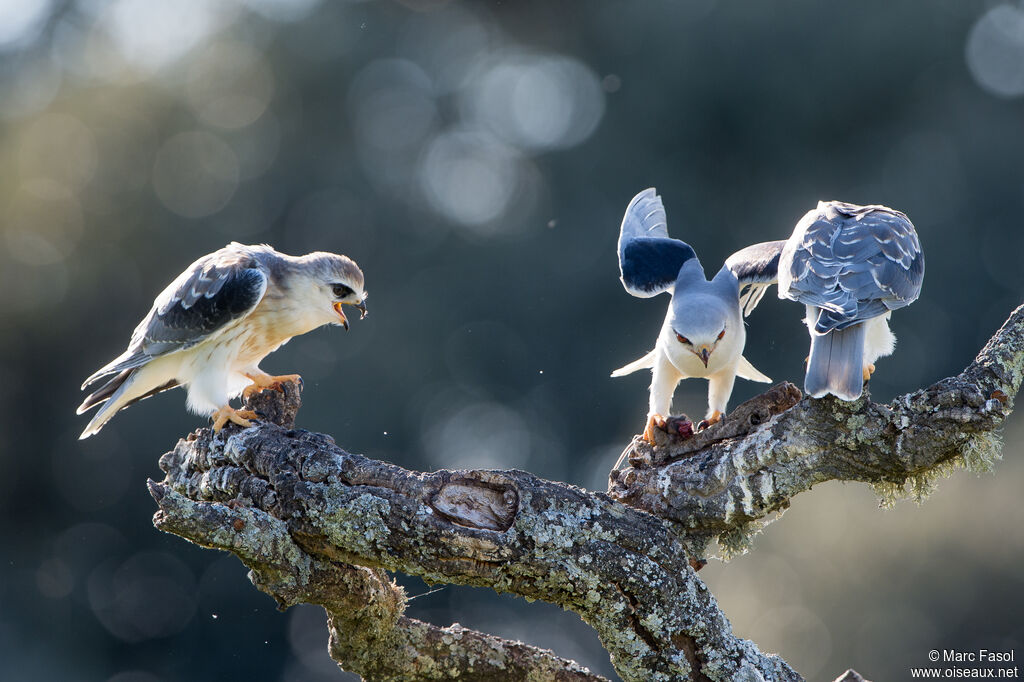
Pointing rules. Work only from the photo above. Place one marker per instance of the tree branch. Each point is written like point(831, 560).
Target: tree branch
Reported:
point(320, 525)
point(289, 503)
point(766, 452)
point(368, 632)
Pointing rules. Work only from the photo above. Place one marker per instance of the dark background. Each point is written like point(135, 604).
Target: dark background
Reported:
point(475, 159)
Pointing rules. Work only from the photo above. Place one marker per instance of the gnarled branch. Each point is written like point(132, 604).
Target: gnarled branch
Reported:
point(285, 500)
point(318, 524)
point(735, 473)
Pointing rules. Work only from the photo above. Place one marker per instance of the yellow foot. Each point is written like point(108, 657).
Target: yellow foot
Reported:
point(868, 371)
point(229, 414)
point(655, 421)
point(715, 417)
point(261, 382)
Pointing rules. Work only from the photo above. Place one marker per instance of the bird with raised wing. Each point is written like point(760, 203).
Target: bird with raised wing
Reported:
point(212, 326)
point(851, 266)
point(703, 334)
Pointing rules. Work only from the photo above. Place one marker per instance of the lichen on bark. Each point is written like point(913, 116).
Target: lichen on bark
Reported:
point(317, 524)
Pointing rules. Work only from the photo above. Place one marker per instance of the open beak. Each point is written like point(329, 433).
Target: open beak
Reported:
point(341, 314)
point(361, 307)
point(704, 354)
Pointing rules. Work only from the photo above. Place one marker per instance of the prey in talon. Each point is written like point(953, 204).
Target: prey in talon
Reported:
point(211, 327)
point(703, 334)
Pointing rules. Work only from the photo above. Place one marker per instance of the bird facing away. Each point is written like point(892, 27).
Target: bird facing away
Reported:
point(851, 266)
point(211, 327)
point(703, 334)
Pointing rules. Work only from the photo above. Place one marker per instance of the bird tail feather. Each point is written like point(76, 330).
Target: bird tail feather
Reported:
point(646, 362)
point(748, 371)
point(836, 364)
point(104, 392)
point(112, 397)
point(115, 395)
point(125, 361)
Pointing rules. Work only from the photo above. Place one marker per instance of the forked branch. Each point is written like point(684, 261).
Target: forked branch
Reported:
point(320, 525)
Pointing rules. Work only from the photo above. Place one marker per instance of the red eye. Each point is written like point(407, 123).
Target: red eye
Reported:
point(721, 334)
point(682, 339)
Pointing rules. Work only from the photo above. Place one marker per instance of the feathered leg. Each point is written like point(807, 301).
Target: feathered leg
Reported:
point(664, 378)
point(719, 389)
point(879, 341)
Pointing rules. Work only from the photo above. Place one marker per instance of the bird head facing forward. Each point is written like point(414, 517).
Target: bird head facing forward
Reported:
point(325, 283)
point(700, 330)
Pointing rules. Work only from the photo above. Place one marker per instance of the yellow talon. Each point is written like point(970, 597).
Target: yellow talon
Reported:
point(229, 414)
point(261, 382)
point(715, 417)
point(655, 421)
point(868, 371)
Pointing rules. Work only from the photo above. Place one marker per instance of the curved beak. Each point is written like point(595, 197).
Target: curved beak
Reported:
point(704, 354)
point(341, 314)
point(361, 307)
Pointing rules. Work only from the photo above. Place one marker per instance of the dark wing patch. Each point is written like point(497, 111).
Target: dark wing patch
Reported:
point(756, 268)
point(201, 306)
point(855, 263)
point(650, 266)
point(219, 287)
point(649, 260)
point(756, 264)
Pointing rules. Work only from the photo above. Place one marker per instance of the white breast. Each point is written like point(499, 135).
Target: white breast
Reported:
point(215, 369)
point(210, 370)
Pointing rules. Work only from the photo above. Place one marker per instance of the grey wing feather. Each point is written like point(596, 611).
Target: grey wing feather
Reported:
point(649, 260)
point(854, 262)
point(756, 268)
point(214, 291)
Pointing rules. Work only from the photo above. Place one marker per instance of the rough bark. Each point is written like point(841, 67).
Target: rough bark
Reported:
point(289, 503)
point(368, 632)
point(724, 480)
point(320, 525)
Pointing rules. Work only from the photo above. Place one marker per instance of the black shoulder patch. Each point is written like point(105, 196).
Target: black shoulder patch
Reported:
point(756, 264)
point(651, 264)
point(181, 326)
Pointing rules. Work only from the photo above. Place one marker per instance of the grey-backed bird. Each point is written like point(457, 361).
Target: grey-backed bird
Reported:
point(211, 327)
point(703, 334)
point(851, 266)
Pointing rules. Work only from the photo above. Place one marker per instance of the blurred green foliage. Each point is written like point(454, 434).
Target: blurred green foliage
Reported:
point(475, 159)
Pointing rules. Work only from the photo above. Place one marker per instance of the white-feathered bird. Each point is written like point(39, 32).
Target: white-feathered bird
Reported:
point(703, 333)
point(851, 266)
point(211, 327)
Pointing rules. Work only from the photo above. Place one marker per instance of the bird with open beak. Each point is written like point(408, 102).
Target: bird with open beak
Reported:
point(703, 333)
point(212, 326)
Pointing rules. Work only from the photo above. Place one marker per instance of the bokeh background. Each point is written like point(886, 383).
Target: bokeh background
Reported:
point(475, 159)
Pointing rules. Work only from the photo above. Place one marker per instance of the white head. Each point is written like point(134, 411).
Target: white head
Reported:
point(325, 282)
point(700, 323)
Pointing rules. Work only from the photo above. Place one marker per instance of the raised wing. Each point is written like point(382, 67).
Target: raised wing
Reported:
point(649, 260)
point(756, 268)
point(212, 292)
point(854, 262)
